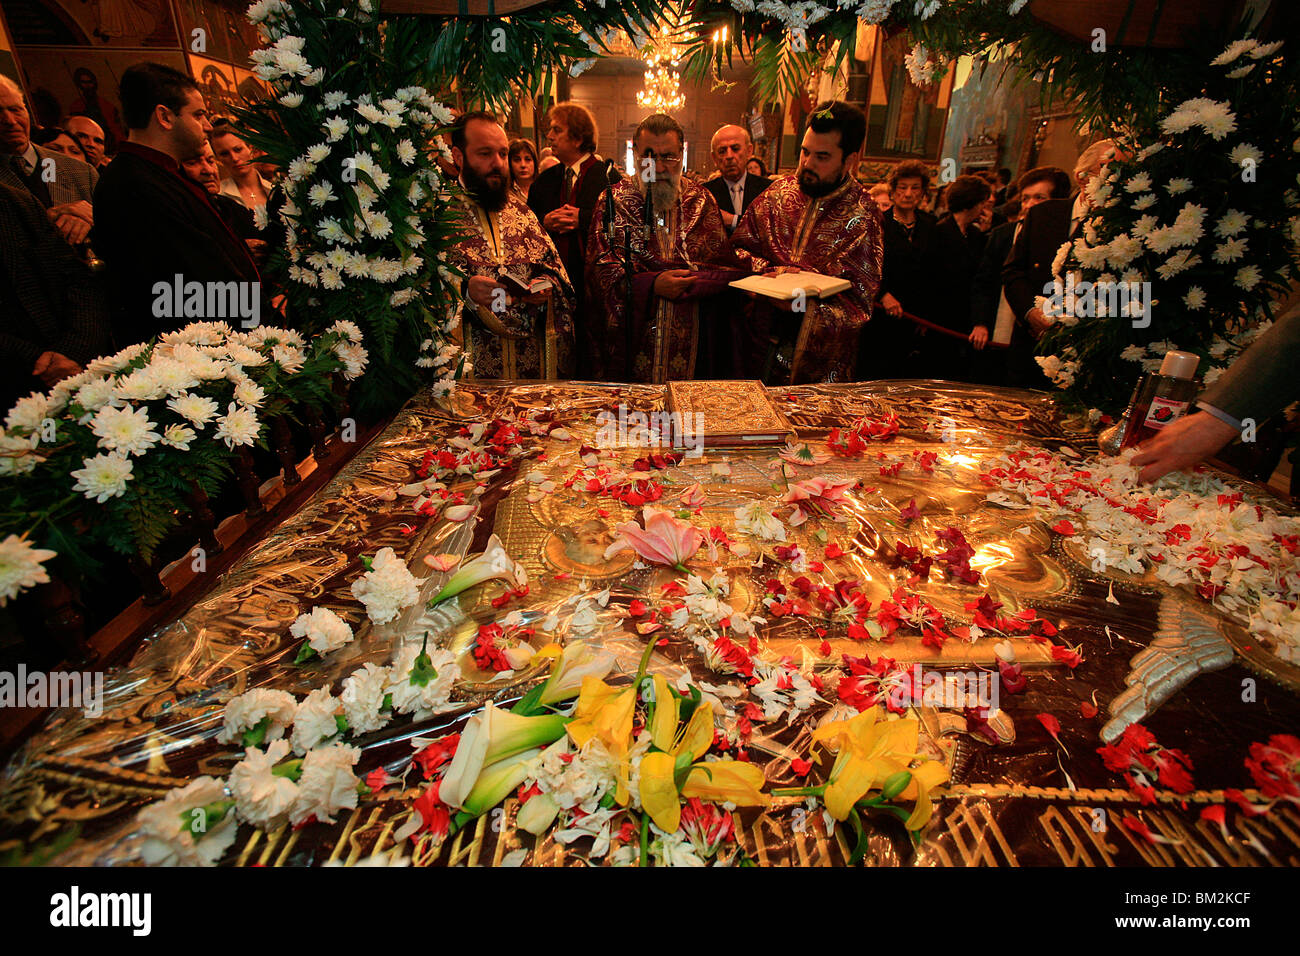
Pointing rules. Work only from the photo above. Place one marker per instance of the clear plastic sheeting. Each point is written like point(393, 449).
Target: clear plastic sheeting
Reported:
point(1025, 799)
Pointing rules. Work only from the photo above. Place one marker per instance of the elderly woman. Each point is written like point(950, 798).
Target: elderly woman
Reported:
point(523, 167)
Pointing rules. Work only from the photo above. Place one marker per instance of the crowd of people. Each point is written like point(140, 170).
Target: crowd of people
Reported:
point(574, 268)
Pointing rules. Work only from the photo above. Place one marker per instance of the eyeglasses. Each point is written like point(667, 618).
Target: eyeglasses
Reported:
point(668, 159)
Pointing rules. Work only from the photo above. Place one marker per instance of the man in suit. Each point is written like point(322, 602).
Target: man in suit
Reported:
point(1258, 385)
point(563, 198)
point(1029, 269)
point(152, 223)
point(736, 187)
point(64, 186)
point(987, 299)
point(55, 319)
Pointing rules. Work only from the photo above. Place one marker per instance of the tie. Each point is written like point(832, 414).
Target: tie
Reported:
point(570, 177)
point(737, 198)
point(35, 185)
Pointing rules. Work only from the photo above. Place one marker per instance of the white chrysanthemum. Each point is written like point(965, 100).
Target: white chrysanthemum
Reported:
point(1139, 183)
point(127, 431)
point(1122, 250)
point(239, 426)
point(315, 77)
point(1234, 51)
point(104, 476)
point(1248, 277)
point(349, 330)
point(387, 587)
point(1145, 201)
point(327, 784)
point(1231, 223)
point(370, 113)
point(320, 194)
point(178, 436)
point(20, 566)
point(1265, 49)
point(168, 839)
point(1178, 185)
point(422, 701)
point(18, 453)
point(1245, 153)
point(291, 100)
point(300, 169)
point(249, 709)
point(28, 413)
point(363, 696)
point(335, 98)
point(402, 297)
point(325, 630)
point(1229, 250)
point(406, 152)
point(249, 393)
point(172, 376)
point(313, 721)
point(331, 279)
point(1195, 298)
point(1133, 353)
point(1180, 261)
point(335, 127)
point(354, 359)
point(262, 797)
point(331, 231)
point(194, 408)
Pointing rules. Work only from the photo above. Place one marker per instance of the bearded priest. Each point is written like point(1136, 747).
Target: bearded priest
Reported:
point(673, 232)
point(518, 318)
point(820, 220)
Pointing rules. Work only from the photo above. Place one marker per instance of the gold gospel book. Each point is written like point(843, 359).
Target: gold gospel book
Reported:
point(726, 413)
point(788, 285)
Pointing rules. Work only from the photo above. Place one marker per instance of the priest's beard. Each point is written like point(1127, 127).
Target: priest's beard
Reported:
point(489, 191)
point(662, 195)
point(816, 188)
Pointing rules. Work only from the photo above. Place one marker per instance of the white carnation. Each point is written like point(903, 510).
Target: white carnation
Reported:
point(387, 587)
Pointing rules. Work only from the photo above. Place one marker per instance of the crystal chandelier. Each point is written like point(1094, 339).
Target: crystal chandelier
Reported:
point(661, 94)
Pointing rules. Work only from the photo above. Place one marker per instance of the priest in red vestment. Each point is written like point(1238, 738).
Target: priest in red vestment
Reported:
point(674, 234)
point(820, 220)
point(507, 331)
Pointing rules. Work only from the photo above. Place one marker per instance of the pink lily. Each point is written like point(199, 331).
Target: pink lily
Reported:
point(663, 540)
point(816, 497)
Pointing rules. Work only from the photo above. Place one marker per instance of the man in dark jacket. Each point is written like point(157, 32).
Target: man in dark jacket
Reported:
point(735, 188)
point(157, 230)
point(54, 316)
point(563, 198)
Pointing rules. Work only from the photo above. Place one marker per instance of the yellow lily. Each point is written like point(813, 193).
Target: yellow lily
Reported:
point(720, 781)
point(723, 781)
point(869, 751)
point(605, 713)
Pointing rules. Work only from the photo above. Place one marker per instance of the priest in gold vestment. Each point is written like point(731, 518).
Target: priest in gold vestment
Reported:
point(820, 220)
point(518, 317)
point(680, 261)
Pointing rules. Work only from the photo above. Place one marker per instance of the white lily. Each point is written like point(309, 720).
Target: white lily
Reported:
point(576, 664)
point(490, 737)
point(494, 562)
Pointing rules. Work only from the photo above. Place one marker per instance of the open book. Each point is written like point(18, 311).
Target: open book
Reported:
point(521, 285)
point(788, 285)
